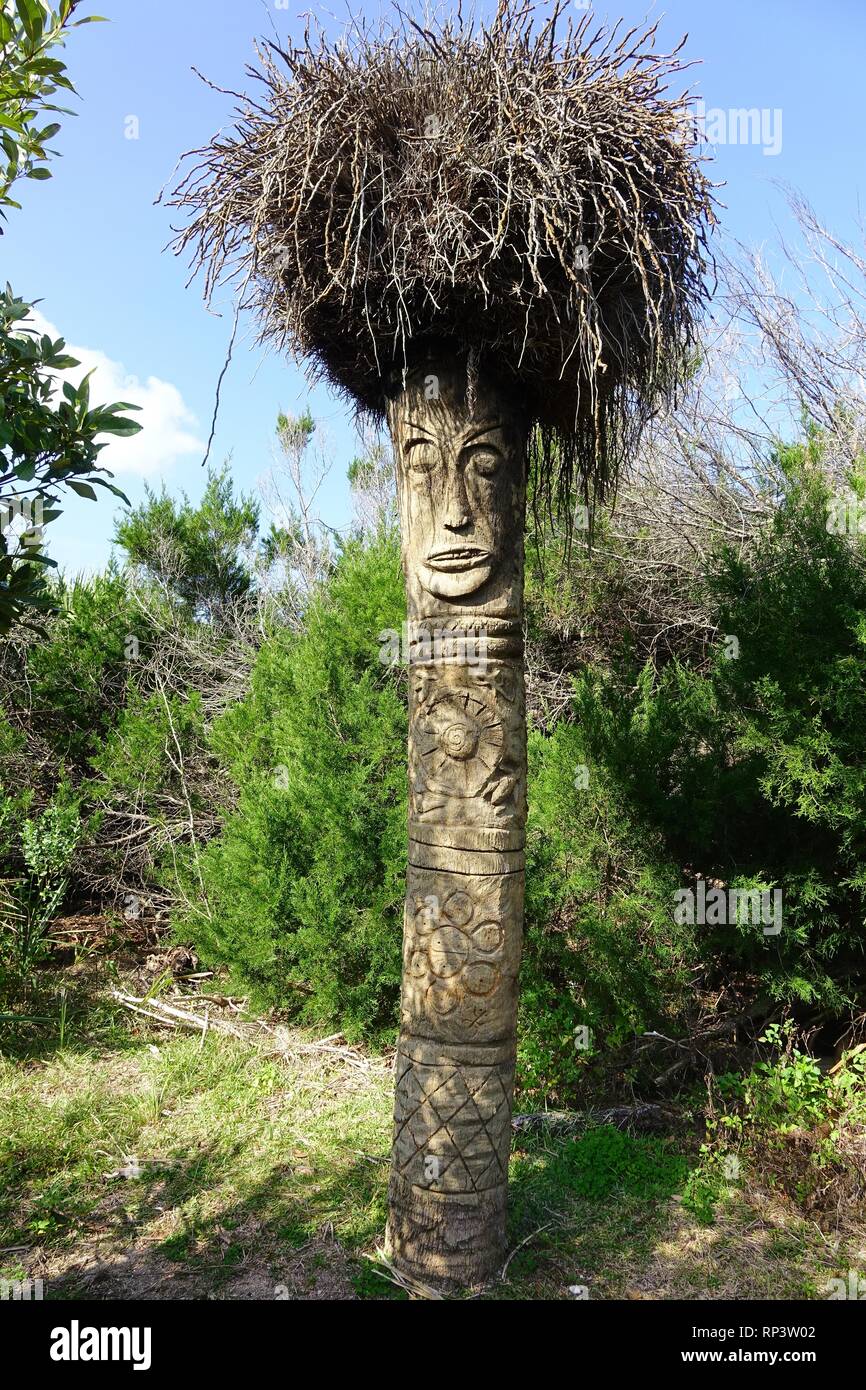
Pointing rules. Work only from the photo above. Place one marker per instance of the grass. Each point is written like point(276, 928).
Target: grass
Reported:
point(232, 1145)
point(264, 1175)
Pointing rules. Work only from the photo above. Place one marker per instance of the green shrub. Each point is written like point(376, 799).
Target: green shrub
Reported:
point(77, 673)
point(752, 771)
point(30, 902)
point(304, 887)
point(748, 771)
point(798, 1124)
point(603, 957)
point(141, 752)
point(745, 771)
point(196, 552)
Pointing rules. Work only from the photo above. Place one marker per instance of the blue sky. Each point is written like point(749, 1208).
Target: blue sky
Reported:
point(89, 243)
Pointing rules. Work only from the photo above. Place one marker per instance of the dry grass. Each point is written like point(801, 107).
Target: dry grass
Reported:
point(527, 193)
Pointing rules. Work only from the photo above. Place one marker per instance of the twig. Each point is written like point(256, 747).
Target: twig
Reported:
point(519, 1247)
point(413, 1287)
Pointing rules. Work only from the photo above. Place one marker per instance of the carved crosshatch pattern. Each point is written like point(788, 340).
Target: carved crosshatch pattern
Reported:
point(459, 1116)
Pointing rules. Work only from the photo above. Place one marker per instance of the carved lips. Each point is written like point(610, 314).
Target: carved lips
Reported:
point(457, 571)
point(459, 559)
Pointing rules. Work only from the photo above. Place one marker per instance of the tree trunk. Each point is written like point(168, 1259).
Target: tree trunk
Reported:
point(460, 449)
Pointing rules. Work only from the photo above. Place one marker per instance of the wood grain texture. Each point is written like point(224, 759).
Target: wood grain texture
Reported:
point(460, 452)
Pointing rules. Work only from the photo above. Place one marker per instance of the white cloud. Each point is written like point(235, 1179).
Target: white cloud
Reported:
point(168, 424)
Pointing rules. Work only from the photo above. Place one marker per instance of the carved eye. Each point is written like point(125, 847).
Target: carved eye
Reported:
point(485, 459)
point(421, 455)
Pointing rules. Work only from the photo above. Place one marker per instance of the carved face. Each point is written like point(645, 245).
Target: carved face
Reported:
point(460, 481)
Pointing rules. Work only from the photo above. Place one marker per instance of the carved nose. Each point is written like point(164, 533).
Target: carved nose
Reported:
point(456, 511)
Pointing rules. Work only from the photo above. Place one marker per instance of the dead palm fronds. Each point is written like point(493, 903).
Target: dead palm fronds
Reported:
point(526, 192)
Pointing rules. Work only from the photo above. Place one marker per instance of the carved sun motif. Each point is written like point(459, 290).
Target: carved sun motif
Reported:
point(459, 740)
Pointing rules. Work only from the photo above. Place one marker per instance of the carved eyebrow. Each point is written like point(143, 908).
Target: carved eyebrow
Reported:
point(480, 430)
point(410, 424)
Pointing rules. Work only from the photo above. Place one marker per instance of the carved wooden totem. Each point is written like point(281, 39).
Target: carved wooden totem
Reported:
point(460, 450)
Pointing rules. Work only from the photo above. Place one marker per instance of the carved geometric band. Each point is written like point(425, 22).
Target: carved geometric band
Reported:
point(507, 625)
point(466, 861)
point(467, 649)
point(485, 1206)
point(452, 1124)
point(468, 652)
point(472, 639)
point(467, 836)
point(431, 1053)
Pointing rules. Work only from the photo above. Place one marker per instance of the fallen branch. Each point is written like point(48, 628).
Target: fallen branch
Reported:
point(169, 1016)
point(158, 1011)
point(648, 1115)
point(517, 1248)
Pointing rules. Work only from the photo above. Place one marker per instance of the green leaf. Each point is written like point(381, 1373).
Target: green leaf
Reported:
point(83, 489)
point(112, 425)
point(39, 174)
point(31, 15)
point(84, 387)
point(111, 487)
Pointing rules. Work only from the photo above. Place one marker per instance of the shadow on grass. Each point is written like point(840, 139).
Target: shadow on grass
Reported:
point(286, 1235)
point(588, 1210)
point(59, 1012)
point(584, 1212)
point(241, 1212)
point(253, 1216)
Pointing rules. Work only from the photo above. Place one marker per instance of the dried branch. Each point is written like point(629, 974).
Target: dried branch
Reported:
point(526, 191)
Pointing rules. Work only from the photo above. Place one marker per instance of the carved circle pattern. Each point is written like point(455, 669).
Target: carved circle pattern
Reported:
point(456, 952)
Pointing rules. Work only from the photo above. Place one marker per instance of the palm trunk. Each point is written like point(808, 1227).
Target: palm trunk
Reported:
point(460, 453)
